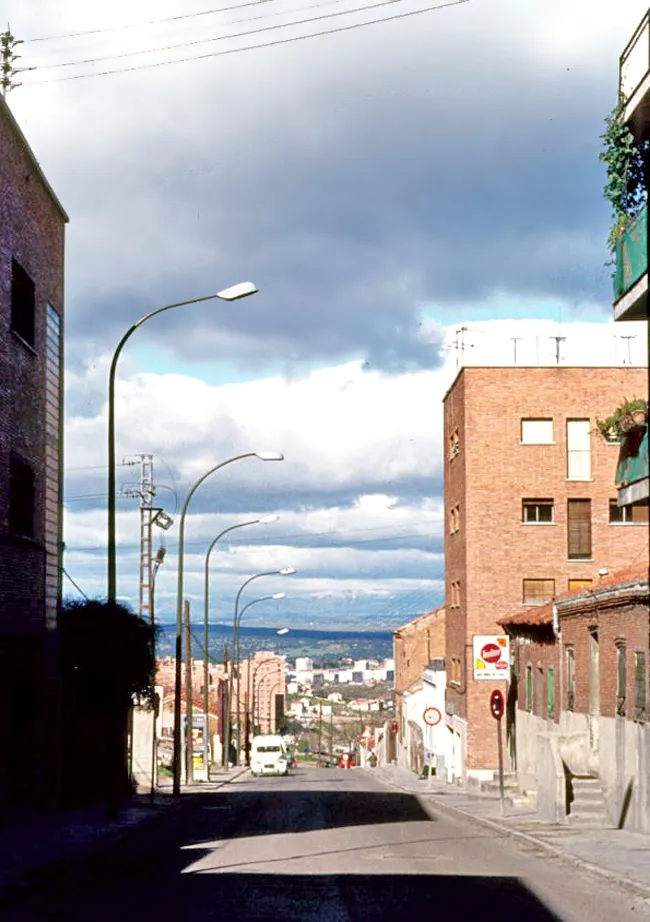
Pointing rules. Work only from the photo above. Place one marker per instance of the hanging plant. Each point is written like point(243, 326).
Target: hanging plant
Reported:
point(625, 160)
point(629, 415)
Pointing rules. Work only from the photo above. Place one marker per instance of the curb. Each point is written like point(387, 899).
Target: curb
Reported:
point(43, 873)
point(626, 883)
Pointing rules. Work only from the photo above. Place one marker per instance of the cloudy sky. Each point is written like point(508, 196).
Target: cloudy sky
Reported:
point(383, 185)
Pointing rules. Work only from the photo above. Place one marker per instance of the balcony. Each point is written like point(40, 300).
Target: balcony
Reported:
point(634, 80)
point(632, 472)
point(631, 273)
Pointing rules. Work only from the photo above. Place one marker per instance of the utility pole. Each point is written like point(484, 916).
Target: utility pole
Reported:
point(225, 709)
point(7, 57)
point(189, 742)
point(320, 732)
point(332, 730)
point(146, 491)
point(558, 340)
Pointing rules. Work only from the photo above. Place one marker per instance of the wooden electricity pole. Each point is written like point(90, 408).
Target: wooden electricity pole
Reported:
point(189, 743)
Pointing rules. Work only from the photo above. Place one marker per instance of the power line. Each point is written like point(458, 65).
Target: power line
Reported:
point(140, 25)
point(272, 44)
point(219, 38)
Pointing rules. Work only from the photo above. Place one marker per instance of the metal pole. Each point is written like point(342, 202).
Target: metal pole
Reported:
point(179, 620)
point(160, 556)
point(500, 751)
point(112, 565)
point(189, 704)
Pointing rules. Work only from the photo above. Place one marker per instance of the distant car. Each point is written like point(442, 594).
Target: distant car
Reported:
point(347, 760)
point(268, 756)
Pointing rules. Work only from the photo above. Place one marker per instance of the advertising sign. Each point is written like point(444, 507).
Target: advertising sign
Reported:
point(199, 748)
point(491, 657)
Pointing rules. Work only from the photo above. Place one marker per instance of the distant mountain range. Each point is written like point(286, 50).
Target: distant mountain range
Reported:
point(324, 647)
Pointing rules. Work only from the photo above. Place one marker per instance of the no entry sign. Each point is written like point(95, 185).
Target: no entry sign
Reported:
point(432, 716)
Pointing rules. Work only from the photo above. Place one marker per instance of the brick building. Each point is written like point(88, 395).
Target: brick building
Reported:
point(415, 645)
point(32, 224)
point(581, 686)
point(531, 513)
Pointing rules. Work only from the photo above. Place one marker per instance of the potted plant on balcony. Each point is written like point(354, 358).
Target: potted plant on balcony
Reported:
point(625, 159)
point(629, 415)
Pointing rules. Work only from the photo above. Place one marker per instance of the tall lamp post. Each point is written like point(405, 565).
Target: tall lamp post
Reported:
point(263, 456)
point(285, 571)
point(264, 520)
point(228, 294)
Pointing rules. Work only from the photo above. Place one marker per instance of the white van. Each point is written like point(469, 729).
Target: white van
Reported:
point(269, 756)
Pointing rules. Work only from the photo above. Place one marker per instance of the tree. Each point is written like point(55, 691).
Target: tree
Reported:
point(107, 657)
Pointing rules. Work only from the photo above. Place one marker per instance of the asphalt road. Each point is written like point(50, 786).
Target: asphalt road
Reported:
point(326, 845)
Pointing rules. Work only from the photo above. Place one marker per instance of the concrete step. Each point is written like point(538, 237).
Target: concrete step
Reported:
point(589, 821)
point(588, 806)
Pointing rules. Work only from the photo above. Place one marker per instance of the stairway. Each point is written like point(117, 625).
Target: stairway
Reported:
point(587, 809)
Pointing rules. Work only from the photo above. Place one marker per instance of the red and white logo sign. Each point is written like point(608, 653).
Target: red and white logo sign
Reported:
point(432, 716)
point(491, 656)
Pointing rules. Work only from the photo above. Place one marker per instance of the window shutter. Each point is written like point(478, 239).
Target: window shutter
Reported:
point(579, 528)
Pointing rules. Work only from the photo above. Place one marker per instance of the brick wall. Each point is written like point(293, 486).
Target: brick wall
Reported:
point(492, 551)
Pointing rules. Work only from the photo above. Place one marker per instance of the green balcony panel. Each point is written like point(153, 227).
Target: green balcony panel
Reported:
point(633, 457)
point(631, 255)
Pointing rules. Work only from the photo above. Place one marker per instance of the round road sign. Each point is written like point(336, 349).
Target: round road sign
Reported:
point(496, 704)
point(432, 716)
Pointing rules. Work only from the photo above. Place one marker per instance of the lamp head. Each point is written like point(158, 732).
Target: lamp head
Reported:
point(287, 571)
point(235, 292)
point(283, 630)
point(266, 519)
point(278, 595)
point(270, 455)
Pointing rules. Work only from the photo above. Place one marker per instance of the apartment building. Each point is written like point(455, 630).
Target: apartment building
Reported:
point(32, 224)
point(531, 513)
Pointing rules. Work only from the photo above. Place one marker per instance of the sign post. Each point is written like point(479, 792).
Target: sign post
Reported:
point(432, 717)
point(496, 709)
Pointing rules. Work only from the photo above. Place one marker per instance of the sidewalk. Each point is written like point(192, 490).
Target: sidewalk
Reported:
point(618, 855)
point(35, 849)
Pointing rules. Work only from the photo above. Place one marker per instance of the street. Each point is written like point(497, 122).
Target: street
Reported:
point(328, 845)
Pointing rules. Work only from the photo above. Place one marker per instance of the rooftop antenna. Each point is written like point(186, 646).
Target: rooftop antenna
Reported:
point(629, 353)
point(515, 340)
point(558, 340)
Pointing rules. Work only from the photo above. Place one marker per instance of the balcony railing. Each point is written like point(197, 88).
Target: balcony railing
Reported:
point(633, 457)
point(631, 255)
point(634, 63)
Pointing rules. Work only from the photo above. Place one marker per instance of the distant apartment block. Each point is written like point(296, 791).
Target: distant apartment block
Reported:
point(531, 513)
point(32, 224)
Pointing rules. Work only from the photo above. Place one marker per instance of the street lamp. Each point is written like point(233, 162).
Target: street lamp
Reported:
point(264, 520)
point(285, 571)
point(234, 293)
point(263, 456)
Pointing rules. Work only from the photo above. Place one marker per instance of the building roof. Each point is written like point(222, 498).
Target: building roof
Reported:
point(6, 112)
point(410, 625)
point(538, 615)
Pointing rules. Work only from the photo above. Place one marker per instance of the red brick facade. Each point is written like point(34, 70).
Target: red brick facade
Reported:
point(415, 644)
point(492, 479)
point(31, 252)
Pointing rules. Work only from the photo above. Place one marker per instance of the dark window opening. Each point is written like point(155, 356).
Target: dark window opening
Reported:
point(640, 686)
point(21, 498)
point(621, 677)
point(628, 515)
point(23, 303)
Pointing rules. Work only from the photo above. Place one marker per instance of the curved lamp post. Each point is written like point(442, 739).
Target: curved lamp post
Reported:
point(285, 571)
point(228, 294)
point(264, 520)
point(263, 456)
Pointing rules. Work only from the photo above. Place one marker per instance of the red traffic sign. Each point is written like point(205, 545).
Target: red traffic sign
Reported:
point(432, 717)
point(496, 704)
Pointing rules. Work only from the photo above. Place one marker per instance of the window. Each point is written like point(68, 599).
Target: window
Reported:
point(454, 444)
point(578, 444)
point(455, 593)
point(454, 519)
point(23, 303)
point(621, 677)
point(639, 685)
point(570, 678)
point(579, 584)
point(537, 511)
point(21, 498)
point(537, 432)
point(579, 529)
point(529, 688)
point(550, 692)
point(628, 515)
point(538, 591)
